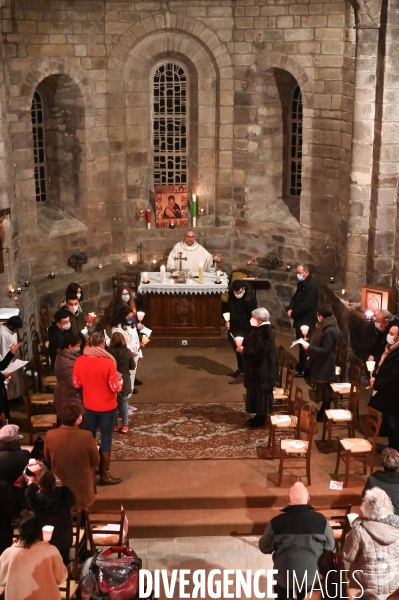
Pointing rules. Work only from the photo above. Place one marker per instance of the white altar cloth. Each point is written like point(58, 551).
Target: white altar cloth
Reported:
point(208, 287)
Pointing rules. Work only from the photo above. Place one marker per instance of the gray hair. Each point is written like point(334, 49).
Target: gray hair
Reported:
point(376, 505)
point(305, 267)
point(261, 313)
point(385, 315)
point(390, 459)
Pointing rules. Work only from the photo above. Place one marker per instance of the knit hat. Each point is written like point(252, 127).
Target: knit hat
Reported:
point(261, 313)
point(9, 433)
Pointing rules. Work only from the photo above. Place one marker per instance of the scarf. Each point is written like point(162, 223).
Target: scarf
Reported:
point(97, 352)
point(387, 351)
point(320, 327)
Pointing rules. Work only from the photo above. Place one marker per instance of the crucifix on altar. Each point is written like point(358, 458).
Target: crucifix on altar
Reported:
point(180, 259)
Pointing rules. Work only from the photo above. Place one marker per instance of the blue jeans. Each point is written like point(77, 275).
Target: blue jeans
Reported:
point(104, 421)
point(123, 408)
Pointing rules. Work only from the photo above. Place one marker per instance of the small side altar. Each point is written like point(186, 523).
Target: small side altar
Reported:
point(183, 310)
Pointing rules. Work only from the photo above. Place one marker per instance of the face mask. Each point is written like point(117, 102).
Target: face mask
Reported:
point(378, 326)
point(239, 295)
point(300, 276)
point(75, 352)
point(66, 326)
point(253, 322)
point(129, 321)
point(390, 339)
point(125, 297)
point(73, 309)
point(78, 296)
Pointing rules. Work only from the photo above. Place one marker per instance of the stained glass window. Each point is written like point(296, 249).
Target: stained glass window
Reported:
point(295, 144)
point(39, 147)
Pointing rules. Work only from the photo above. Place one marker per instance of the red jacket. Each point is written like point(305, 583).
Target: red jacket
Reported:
point(99, 381)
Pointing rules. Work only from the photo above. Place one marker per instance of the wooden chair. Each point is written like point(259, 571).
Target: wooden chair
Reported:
point(286, 425)
point(337, 516)
point(342, 391)
point(358, 363)
point(282, 396)
point(69, 588)
point(298, 457)
point(342, 422)
point(280, 364)
point(79, 542)
point(25, 347)
point(360, 451)
point(44, 322)
point(341, 357)
point(37, 423)
point(115, 522)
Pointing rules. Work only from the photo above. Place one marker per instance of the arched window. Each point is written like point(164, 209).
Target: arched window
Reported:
point(39, 147)
point(170, 108)
point(295, 144)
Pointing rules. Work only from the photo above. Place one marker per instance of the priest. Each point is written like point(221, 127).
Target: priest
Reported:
point(194, 254)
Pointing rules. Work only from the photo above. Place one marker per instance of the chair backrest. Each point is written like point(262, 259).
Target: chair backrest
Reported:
point(353, 402)
point(341, 354)
point(115, 523)
point(280, 363)
point(355, 375)
point(25, 346)
point(289, 380)
point(373, 425)
point(312, 426)
point(44, 322)
point(32, 323)
point(356, 363)
point(298, 401)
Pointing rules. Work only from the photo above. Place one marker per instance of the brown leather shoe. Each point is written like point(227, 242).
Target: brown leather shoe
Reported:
point(237, 380)
point(105, 475)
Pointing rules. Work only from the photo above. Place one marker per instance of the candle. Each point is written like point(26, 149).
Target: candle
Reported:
point(304, 329)
point(145, 278)
point(140, 315)
point(194, 210)
point(332, 280)
point(343, 292)
point(148, 218)
point(201, 272)
point(130, 261)
point(238, 340)
point(19, 291)
point(27, 283)
point(226, 316)
point(350, 302)
point(100, 266)
point(288, 267)
point(218, 274)
point(91, 317)
point(162, 270)
point(12, 290)
point(249, 263)
point(370, 364)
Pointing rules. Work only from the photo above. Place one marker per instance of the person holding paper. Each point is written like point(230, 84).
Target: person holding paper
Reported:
point(193, 252)
point(8, 336)
point(4, 408)
point(321, 353)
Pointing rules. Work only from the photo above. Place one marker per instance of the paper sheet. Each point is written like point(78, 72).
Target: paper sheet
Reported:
point(299, 341)
point(336, 485)
point(282, 418)
point(340, 414)
point(15, 365)
point(297, 444)
point(146, 331)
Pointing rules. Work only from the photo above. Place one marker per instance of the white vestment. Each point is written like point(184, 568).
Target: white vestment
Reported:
point(15, 384)
point(194, 254)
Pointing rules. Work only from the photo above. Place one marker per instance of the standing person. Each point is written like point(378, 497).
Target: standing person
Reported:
point(13, 458)
point(388, 478)
point(240, 305)
point(385, 384)
point(31, 569)
point(9, 337)
point(302, 309)
point(123, 323)
point(57, 332)
point(76, 318)
point(95, 372)
point(4, 406)
point(10, 507)
point(261, 371)
point(373, 540)
point(321, 352)
point(124, 364)
point(66, 355)
point(383, 319)
point(73, 455)
point(296, 539)
point(73, 289)
point(52, 505)
point(193, 252)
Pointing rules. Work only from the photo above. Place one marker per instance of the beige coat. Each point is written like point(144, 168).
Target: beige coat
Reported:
point(373, 547)
point(74, 457)
point(32, 573)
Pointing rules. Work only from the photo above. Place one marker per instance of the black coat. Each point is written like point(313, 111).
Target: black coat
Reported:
point(3, 392)
point(240, 314)
point(322, 357)
point(387, 481)
point(377, 350)
point(54, 508)
point(260, 359)
point(55, 339)
point(124, 364)
point(13, 460)
point(304, 303)
point(9, 510)
point(64, 390)
point(386, 384)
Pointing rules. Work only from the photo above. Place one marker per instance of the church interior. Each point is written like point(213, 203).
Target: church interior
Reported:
point(273, 125)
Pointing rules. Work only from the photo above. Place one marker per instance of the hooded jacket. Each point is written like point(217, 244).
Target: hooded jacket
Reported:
point(373, 548)
point(64, 390)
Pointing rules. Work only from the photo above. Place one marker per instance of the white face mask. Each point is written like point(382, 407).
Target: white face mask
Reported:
point(66, 326)
point(239, 295)
point(73, 309)
point(390, 339)
point(378, 326)
point(78, 296)
point(125, 297)
point(300, 276)
point(253, 322)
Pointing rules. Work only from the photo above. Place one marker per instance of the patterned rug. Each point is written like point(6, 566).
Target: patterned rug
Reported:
point(189, 431)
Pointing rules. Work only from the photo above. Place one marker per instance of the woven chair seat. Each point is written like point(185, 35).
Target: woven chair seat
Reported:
point(289, 448)
point(356, 445)
point(43, 421)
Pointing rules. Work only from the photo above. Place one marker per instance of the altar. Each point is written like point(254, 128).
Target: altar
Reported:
point(183, 310)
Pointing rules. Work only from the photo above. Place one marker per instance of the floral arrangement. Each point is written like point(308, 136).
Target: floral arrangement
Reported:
point(273, 258)
point(76, 260)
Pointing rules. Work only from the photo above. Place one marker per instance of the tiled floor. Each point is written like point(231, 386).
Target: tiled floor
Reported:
point(206, 553)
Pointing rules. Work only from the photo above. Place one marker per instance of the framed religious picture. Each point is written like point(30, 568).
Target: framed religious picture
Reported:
point(171, 205)
point(378, 297)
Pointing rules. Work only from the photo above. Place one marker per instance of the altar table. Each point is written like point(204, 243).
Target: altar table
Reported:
point(183, 310)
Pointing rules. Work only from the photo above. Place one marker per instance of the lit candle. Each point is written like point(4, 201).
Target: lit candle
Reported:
point(201, 272)
point(144, 276)
point(154, 262)
point(218, 274)
point(100, 266)
point(130, 261)
point(162, 270)
point(194, 210)
point(12, 290)
point(343, 292)
point(148, 218)
point(140, 315)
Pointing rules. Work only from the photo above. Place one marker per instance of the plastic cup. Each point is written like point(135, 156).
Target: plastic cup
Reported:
point(370, 364)
point(47, 532)
point(140, 315)
point(238, 340)
point(226, 316)
point(304, 329)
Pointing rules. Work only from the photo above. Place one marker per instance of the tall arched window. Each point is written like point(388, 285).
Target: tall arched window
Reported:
point(39, 147)
point(295, 144)
point(170, 124)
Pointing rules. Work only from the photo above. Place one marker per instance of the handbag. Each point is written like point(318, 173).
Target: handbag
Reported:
point(108, 577)
point(304, 417)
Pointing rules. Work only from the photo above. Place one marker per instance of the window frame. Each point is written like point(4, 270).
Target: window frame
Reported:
point(38, 118)
point(295, 148)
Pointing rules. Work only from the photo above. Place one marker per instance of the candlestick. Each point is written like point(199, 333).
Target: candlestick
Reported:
point(201, 273)
point(162, 271)
point(19, 290)
point(218, 274)
point(145, 278)
point(194, 209)
point(332, 280)
point(148, 218)
point(288, 267)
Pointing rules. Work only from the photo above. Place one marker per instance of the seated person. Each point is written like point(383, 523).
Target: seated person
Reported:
point(57, 331)
point(388, 478)
point(13, 459)
point(193, 252)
